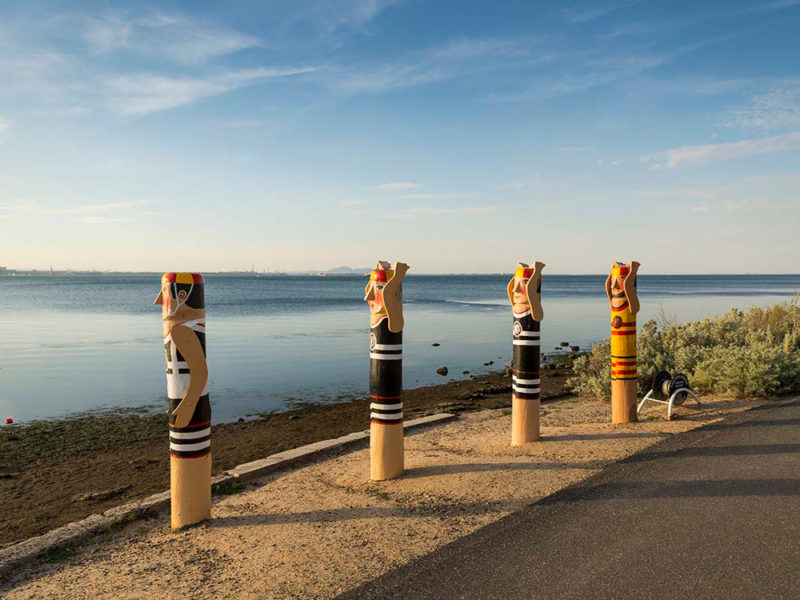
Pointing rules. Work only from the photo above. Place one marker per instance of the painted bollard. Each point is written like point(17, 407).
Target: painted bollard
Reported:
point(525, 295)
point(183, 314)
point(624, 302)
point(384, 293)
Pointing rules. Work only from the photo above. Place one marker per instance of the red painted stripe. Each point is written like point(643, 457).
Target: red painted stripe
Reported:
point(632, 332)
point(623, 307)
point(622, 363)
point(624, 372)
point(206, 424)
point(385, 397)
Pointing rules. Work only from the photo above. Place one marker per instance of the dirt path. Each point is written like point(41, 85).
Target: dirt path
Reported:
point(57, 472)
point(319, 530)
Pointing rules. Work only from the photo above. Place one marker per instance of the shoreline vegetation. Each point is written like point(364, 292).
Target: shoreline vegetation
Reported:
point(53, 472)
point(736, 354)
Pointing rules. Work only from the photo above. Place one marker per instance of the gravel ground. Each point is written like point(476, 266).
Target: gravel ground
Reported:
point(319, 530)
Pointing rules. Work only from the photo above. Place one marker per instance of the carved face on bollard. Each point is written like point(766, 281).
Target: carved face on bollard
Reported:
point(525, 290)
point(384, 294)
point(621, 287)
point(178, 298)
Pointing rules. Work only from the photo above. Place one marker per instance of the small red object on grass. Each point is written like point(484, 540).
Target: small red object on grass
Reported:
point(9, 421)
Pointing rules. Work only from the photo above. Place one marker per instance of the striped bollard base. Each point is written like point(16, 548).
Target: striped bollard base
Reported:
point(386, 443)
point(525, 380)
point(190, 467)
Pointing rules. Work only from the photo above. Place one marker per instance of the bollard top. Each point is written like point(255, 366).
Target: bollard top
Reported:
point(182, 278)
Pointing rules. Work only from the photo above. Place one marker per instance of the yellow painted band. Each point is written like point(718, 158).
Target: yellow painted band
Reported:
point(389, 274)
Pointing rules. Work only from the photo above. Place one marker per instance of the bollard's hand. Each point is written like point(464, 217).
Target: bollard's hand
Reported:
point(192, 351)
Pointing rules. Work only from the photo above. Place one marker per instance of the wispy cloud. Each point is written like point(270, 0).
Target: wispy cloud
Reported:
point(514, 185)
point(466, 57)
point(694, 155)
point(147, 93)
point(772, 192)
point(574, 149)
point(687, 193)
point(174, 37)
point(96, 220)
point(396, 186)
point(591, 72)
point(771, 110)
point(584, 13)
point(778, 5)
point(433, 211)
point(423, 196)
point(5, 125)
point(332, 15)
point(88, 208)
point(746, 206)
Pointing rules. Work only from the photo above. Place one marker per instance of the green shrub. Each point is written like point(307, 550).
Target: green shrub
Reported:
point(753, 353)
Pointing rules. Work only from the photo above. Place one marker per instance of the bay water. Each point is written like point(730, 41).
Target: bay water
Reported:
point(85, 342)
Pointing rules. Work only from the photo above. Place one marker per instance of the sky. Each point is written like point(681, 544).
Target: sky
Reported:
point(456, 136)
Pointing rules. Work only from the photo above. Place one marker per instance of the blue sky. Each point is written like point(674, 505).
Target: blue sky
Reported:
point(457, 136)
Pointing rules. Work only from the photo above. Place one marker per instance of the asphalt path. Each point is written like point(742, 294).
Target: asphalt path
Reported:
point(710, 513)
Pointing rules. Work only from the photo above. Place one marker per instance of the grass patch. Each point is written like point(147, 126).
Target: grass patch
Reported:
point(507, 411)
point(737, 354)
point(227, 488)
point(59, 554)
point(381, 495)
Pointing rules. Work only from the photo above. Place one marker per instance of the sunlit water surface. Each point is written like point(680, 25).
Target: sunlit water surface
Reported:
point(75, 343)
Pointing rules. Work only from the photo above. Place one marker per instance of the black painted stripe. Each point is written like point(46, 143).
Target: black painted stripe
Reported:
point(386, 421)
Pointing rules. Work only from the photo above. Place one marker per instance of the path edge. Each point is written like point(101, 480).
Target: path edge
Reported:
point(72, 533)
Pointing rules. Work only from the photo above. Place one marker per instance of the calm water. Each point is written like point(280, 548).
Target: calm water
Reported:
point(71, 344)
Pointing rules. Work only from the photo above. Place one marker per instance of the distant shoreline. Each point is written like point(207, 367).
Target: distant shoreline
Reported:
point(355, 273)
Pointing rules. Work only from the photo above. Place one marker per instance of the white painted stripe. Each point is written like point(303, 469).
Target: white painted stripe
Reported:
point(533, 334)
point(189, 435)
point(525, 390)
point(526, 381)
point(190, 447)
point(521, 315)
point(388, 347)
point(526, 342)
point(386, 356)
point(387, 416)
point(375, 406)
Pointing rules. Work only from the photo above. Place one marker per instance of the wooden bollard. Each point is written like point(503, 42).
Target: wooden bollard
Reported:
point(525, 295)
point(624, 302)
point(183, 313)
point(384, 293)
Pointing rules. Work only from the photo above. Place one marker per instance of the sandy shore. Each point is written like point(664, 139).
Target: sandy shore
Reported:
point(319, 530)
point(60, 471)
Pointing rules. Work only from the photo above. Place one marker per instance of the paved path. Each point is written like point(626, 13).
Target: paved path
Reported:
point(711, 513)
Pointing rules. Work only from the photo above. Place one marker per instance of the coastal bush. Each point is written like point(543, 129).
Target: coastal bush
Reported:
point(738, 354)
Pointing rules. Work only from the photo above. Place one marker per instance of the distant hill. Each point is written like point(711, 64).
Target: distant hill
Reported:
point(348, 271)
